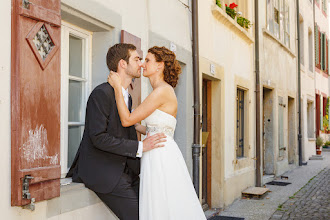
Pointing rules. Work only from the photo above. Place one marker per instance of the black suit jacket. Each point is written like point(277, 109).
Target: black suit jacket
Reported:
point(106, 145)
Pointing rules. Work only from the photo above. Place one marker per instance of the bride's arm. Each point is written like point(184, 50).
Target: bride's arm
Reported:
point(156, 98)
point(141, 128)
point(148, 106)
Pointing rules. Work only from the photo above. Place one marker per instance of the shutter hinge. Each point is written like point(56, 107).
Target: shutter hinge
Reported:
point(26, 194)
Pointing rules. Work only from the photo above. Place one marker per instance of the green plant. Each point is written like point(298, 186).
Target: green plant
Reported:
point(319, 141)
point(327, 143)
point(218, 3)
point(244, 22)
point(231, 12)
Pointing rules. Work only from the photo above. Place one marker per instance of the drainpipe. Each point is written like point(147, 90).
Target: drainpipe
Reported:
point(196, 147)
point(258, 115)
point(299, 89)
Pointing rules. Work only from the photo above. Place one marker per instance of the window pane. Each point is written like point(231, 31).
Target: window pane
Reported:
point(75, 56)
point(75, 135)
point(240, 123)
point(75, 101)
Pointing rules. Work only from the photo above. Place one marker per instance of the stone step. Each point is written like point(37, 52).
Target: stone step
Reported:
point(316, 157)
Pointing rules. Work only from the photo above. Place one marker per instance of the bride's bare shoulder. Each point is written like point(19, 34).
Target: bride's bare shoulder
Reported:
point(165, 90)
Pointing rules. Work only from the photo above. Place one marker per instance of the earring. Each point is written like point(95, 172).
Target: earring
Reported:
point(157, 70)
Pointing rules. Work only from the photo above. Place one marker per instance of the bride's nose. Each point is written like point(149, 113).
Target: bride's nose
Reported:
point(143, 65)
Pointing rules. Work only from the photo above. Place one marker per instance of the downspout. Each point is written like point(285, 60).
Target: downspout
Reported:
point(196, 148)
point(299, 89)
point(258, 115)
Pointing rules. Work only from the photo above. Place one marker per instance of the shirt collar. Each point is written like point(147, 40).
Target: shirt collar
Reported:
point(125, 91)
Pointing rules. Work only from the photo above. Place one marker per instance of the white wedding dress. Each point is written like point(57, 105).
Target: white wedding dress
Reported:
point(166, 189)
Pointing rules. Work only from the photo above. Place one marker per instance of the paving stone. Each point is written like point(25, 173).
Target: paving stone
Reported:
point(313, 202)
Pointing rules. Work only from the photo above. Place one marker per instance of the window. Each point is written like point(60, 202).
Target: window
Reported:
point(322, 51)
point(317, 45)
point(76, 84)
point(286, 24)
point(310, 51)
point(324, 6)
point(240, 105)
point(302, 43)
point(278, 19)
point(310, 119)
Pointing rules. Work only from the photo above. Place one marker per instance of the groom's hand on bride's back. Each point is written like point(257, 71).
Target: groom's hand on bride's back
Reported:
point(153, 141)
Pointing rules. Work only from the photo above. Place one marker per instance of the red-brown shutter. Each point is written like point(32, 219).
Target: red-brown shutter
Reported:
point(35, 100)
point(135, 87)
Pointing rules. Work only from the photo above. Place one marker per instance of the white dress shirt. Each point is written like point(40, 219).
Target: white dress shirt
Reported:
point(140, 148)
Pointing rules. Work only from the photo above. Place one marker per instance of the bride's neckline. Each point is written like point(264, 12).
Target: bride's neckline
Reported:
point(166, 113)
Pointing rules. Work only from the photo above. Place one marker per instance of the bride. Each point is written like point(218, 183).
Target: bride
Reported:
point(166, 190)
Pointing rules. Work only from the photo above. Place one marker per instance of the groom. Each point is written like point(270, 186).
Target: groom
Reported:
point(108, 158)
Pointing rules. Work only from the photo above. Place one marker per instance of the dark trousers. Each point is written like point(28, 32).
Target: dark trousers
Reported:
point(124, 199)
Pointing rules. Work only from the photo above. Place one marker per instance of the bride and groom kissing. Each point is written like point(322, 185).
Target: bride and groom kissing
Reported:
point(147, 179)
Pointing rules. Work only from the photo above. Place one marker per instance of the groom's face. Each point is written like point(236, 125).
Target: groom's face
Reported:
point(134, 65)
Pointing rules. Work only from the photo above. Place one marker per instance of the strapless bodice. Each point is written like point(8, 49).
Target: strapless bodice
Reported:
point(161, 122)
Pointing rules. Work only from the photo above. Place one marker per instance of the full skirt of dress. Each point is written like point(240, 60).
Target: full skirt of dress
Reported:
point(166, 189)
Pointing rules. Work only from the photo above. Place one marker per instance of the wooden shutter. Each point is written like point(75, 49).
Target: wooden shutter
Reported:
point(35, 100)
point(322, 51)
point(316, 46)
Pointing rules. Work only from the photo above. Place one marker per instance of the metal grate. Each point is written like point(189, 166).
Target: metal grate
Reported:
point(240, 123)
point(43, 42)
point(278, 183)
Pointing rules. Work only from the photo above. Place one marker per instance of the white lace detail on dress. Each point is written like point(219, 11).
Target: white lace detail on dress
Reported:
point(168, 131)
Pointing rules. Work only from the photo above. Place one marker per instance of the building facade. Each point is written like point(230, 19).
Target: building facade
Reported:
point(227, 83)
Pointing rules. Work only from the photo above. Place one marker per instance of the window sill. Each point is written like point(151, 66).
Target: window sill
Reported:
point(311, 139)
point(222, 16)
point(73, 196)
point(279, 42)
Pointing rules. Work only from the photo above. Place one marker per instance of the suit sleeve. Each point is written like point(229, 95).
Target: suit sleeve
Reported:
point(98, 111)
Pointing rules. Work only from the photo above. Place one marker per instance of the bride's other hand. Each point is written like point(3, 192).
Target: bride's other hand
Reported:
point(114, 80)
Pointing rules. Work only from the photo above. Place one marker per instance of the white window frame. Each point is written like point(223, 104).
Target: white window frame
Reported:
point(68, 29)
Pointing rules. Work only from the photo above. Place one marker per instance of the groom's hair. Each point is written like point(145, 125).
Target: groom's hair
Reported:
point(119, 52)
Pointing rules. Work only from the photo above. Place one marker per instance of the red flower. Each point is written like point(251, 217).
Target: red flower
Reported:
point(232, 5)
point(226, 5)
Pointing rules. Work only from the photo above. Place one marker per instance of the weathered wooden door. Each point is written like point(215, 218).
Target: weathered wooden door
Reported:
point(206, 144)
point(35, 101)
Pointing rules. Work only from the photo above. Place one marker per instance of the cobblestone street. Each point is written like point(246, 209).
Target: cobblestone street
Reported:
point(310, 202)
point(307, 197)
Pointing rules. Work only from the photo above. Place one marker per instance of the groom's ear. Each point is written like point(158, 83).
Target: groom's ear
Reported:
point(122, 64)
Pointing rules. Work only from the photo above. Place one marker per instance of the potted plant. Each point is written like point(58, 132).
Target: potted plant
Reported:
point(319, 143)
point(230, 10)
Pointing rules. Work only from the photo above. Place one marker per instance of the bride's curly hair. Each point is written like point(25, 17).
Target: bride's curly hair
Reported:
point(172, 68)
